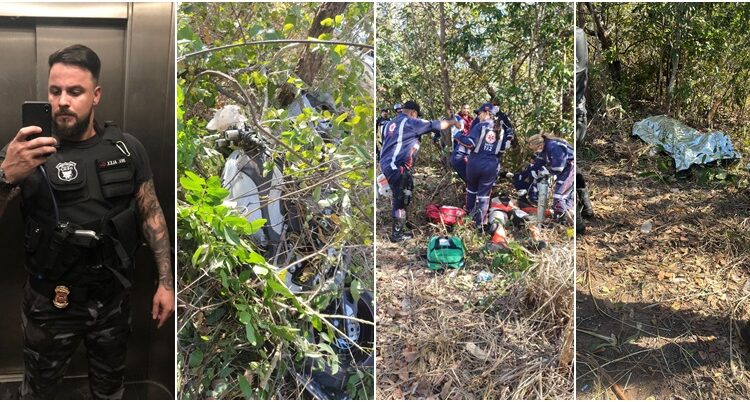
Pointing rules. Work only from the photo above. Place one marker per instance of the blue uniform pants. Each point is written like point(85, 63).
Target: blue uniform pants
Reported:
point(481, 174)
point(563, 199)
point(458, 161)
point(395, 182)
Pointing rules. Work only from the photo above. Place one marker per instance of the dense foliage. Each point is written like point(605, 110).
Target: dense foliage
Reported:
point(242, 332)
point(444, 55)
point(688, 60)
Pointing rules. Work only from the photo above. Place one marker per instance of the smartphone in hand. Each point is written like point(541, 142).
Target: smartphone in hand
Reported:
point(37, 114)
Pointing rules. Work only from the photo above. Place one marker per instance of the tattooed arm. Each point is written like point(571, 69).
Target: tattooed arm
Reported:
point(157, 236)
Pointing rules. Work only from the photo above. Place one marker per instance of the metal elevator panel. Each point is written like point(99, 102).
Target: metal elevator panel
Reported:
point(105, 37)
point(17, 83)
point(137, 80)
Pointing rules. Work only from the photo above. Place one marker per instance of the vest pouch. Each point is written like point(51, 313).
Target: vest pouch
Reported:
point(48, 254)
point(33, 236)
point(124, 227)
point(68, 180)
point(115, 177)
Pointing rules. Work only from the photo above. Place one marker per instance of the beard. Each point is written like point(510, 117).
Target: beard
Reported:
point(73, 131)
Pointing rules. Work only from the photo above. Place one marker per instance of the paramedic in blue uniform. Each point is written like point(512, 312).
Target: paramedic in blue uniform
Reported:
point(487, 143)
point(460, 153)
point(554, 156)
point(400, 145)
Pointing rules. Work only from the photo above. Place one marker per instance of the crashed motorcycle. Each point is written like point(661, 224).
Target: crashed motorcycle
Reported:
point(308, 263)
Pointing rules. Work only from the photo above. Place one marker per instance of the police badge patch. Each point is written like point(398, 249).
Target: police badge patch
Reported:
point(66, 171)
point(61, 296)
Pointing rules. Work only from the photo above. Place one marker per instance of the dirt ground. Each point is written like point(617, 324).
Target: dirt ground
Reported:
point(443, 335)
point(657, 312)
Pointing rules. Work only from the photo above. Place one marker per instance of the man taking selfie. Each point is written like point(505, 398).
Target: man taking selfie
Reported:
point(88, 202)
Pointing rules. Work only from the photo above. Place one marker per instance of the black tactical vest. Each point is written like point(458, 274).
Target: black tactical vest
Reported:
point(99, 178)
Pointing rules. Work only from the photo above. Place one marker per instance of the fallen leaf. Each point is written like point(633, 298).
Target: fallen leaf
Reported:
point(410, 355)
point(446, 389)
point(477, 352)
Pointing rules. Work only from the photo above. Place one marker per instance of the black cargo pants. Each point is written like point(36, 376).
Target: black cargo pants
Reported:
point(51, 336)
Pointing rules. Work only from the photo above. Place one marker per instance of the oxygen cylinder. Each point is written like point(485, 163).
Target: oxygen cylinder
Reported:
point(543, 187)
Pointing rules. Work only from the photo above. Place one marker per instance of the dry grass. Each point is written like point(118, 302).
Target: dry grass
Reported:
point(657, 311)
point(445, 336)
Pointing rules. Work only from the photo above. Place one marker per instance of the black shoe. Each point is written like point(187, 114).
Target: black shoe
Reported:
point(745, 333)
point(399, 233)
point(587, 209)
point(537, 245)
point(580, 226)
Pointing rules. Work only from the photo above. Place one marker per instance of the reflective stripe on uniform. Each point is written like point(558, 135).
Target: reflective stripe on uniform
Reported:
point(398, 144)
point(481, 140)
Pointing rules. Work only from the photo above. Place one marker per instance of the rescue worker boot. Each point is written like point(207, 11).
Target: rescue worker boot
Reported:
point(587, 209)
point(400, 232)
point(745, 333)
point(580, 225)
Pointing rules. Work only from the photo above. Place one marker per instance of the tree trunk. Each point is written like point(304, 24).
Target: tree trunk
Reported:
point(675, 62)
point(615, 67)
point(474, 66)
point(309, 62)
point(444, 65)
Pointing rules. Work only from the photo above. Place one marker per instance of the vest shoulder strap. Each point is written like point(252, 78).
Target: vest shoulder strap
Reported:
point(114, 135)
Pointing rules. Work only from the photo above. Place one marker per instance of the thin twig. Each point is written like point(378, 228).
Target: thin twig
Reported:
point(275, 42)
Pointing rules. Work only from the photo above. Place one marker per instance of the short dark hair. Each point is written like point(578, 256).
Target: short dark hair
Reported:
point(80, 56)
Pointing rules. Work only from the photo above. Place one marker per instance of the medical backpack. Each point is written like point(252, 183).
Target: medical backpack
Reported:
point(445, 252)
point(445, 214)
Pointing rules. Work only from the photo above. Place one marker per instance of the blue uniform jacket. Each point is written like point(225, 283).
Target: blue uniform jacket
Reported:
point(487, 140)
point(555, 156)
point(401, 141)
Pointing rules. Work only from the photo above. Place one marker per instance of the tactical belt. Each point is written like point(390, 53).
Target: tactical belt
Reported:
point(62, 292)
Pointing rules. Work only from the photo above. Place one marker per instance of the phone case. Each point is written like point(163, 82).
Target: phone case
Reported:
point(37, 114)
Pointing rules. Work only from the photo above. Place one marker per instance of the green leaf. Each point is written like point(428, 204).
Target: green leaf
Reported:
point(288, 28)
point(316, 323)
point(250, 333)
point(316, 194)
point(247, 390)
point(192, 182)
point(328, 22)
point(245, 317)
point(260, 270)
point(197, 254)
point(255, 258)
point(279, 288)
point(196, 358)
point(245, 275)
point(340, 49)
point(256, 225)
point(341, 118)
point(231, 236)
point(356, 291)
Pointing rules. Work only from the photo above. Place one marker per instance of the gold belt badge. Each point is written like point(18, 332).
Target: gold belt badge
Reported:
point(61, 296)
